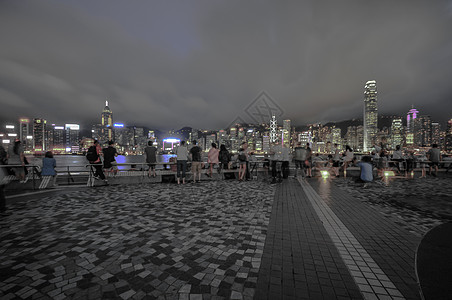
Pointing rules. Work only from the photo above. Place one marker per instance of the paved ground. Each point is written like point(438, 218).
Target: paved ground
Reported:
point(134, 241)
point(320, 239)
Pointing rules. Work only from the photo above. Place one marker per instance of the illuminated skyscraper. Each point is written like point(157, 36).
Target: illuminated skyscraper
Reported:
point(410, 117)
point(286, 133)
point(396, 132)
point(273, 128)
point(107, 124)
point(370, 114)
point(422, 131)
point(39, 134)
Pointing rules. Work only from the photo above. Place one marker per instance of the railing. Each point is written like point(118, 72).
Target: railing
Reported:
point(72, 172)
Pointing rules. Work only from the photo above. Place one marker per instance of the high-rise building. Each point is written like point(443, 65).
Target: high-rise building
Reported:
point(422, 131)
point(448, 138)
point(57, 136)
point(39, 134)
point(410, 117)
point(396, 132)
point(107, 124)
point(336, 136)
point(72, 137)
point(370, 124)
point(273, 130)
point(436, 134)
point(286, 133)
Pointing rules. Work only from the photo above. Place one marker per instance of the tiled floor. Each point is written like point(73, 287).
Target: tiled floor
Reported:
point(213, 240)
point(137, 241)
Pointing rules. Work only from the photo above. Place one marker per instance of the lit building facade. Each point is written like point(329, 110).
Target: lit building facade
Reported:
point(410, 117)
point(107, 124)
point(273, 130)
point(39, 134)
point(72, 138)
point(370, 124)
point(286, 133)
point(396, 132)
point(422, 131)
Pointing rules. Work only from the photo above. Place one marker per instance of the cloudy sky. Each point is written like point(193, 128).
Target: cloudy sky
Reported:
point(168, 64)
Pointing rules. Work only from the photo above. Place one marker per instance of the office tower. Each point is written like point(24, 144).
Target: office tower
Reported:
point(273, 129)
point(305, 137)
point(422, 131)
point(448, 139)
point(286, 133)
point(370, 125)
point(57, 137)
point(336, 136)
point(107, 124)
point(72, 137)
point(410, 117)
point(436, 134)
point(24, 129)
point(396, 132)
point(39, 134)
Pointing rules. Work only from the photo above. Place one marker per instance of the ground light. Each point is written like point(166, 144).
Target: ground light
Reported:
point(324, 173)
point(389, 173)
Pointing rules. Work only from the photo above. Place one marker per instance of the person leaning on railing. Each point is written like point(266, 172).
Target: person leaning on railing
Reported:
point(16, 157)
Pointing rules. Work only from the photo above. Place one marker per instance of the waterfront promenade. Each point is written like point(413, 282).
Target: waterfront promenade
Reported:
point(313, 239)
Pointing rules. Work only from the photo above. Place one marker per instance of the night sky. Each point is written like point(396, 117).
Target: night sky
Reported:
point(168, 64)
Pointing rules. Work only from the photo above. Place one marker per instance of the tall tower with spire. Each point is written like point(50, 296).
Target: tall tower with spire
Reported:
point(107, 123)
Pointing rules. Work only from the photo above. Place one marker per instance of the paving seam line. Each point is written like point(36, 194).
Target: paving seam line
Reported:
point(368, 276)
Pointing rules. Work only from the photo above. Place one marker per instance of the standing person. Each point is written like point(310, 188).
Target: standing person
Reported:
point(397, 157)
point(299, 158)
point(348, 158)
point(182, 157)
point(285, 157)
point(212, 157)
point(48, 167)
point(336, 160)
point(16, 157)
point(308, 161)
point(151, 158)
point(93, 156)
point(195, 153)
point(3, 174)
point(242, 163)
point(434, 155)
point(224, 158)
point(109, 158)
point(422, 159)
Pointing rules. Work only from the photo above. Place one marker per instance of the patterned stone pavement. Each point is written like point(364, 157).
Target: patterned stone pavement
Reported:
point(155, 241)
point(221, 240)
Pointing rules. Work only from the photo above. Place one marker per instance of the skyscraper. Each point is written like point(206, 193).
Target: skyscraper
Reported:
point(370, 114)
point(410, 117)
point(396, 132)
point(107, 124)
point(39, 134)
point(273, 128)
point(286, 133)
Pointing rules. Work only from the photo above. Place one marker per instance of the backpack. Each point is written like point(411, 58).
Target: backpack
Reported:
point(92, 155)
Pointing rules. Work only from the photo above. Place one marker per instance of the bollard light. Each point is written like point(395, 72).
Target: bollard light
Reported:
point(324, 173)
point(389, 173)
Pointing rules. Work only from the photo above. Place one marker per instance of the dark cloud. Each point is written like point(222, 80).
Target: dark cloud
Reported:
point(200, 64)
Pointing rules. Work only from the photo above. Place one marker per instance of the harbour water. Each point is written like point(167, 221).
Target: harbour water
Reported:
point(79, 162)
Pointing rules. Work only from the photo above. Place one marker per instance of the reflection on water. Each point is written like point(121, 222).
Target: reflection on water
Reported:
point(325, 189)
point(78, 162)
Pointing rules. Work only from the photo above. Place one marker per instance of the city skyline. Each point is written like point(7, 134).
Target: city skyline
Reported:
point(201, 64)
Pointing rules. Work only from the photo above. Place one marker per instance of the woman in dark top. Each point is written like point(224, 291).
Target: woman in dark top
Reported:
point(224, 158)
